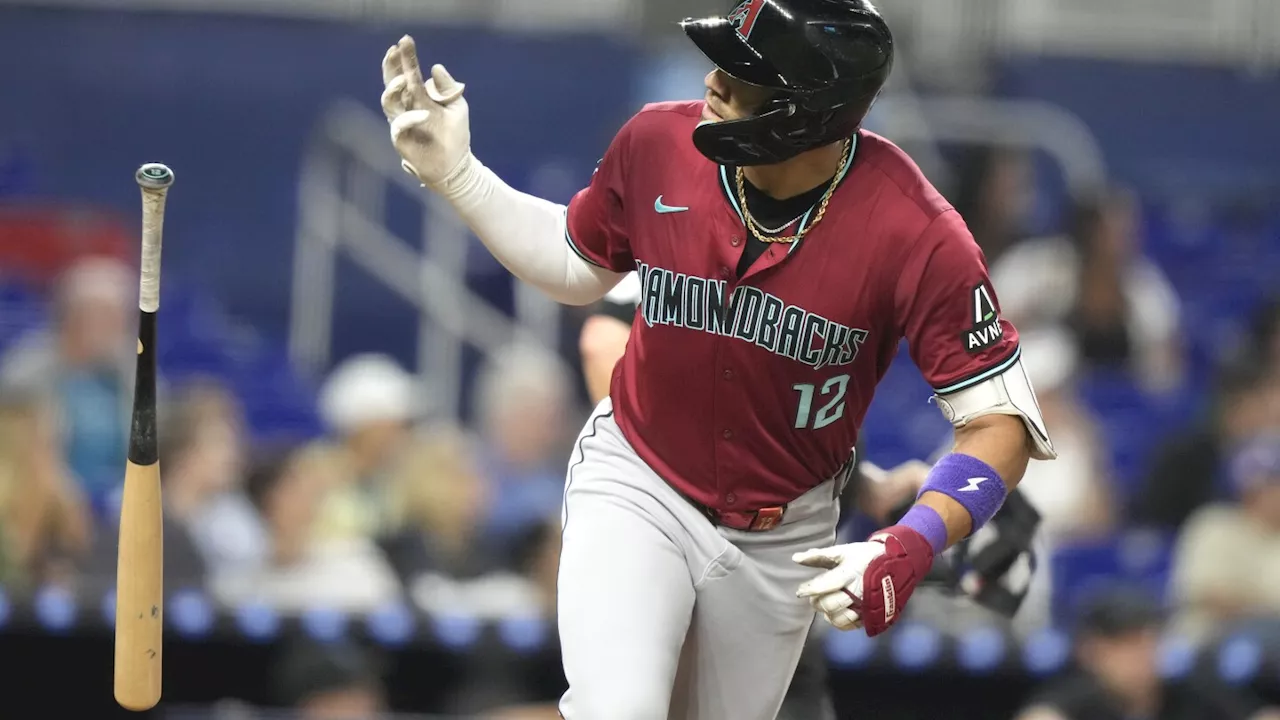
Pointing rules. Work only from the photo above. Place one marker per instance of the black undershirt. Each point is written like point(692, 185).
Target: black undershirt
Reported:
point(770, 212)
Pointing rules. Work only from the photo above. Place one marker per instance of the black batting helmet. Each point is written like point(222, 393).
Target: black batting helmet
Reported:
point(826, 60)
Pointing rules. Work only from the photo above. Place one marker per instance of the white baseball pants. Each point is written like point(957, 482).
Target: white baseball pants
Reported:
point(663, 615)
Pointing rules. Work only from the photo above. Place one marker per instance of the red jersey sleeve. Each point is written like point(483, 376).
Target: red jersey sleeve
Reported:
point(948, 310)
point(596, 226)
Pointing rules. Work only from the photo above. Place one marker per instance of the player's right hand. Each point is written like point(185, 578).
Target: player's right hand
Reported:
point(867, 584)
point(430, 123)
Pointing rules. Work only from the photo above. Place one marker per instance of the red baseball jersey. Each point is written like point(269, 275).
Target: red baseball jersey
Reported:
point(743, 393)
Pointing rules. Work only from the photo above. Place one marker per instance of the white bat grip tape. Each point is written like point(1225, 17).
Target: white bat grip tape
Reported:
point(152, 238)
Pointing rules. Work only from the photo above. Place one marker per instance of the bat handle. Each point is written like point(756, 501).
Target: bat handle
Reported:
point(153, 203)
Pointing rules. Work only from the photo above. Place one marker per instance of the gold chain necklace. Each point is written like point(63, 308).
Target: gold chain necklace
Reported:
point(822, 206)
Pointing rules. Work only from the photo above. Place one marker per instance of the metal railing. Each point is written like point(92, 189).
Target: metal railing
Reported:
point(346, 173)
point(1024, 124)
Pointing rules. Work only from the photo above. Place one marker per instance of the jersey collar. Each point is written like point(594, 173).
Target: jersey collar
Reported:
point(728, 186)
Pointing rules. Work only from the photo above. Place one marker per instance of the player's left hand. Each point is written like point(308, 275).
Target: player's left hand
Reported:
point(867, 584)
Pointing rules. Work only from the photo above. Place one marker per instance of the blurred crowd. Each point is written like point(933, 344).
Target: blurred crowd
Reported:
point(388, 502)
point(393, 504)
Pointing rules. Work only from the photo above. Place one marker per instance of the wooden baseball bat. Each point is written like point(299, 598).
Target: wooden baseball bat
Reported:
point(139, 567)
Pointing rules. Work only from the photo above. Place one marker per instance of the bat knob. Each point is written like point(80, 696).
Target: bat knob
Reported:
point(154, 176)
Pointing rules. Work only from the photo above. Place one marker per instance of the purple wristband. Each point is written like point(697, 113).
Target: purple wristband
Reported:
point(969, 481)
point(926, 521)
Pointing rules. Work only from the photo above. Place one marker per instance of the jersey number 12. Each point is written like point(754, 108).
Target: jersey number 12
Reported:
point(831, 411)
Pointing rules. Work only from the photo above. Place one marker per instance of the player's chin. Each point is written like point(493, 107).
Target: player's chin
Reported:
point(709, 115)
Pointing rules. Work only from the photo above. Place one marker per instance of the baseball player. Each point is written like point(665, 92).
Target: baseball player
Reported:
point(783, 254)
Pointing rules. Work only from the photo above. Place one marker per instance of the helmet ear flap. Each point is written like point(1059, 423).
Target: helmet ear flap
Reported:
point(781, 131)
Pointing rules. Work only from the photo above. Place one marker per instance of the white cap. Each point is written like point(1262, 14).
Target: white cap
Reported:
point(520, 375)
point(368, 388)
point(97, 279)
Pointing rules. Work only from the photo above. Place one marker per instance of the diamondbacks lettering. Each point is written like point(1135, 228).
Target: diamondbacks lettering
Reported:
point(748, 314)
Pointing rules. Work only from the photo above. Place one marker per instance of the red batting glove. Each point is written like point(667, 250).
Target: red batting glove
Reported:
point(890, 578)
point(867, 584)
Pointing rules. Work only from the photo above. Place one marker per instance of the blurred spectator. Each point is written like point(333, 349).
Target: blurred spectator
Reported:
point(1227, 562)
point(1264, 346)
point(210, 527)
point(370, 403)
point(1072, 493)
point(438, 499)
point(994, 193)
point(502, 684)
point(524, 398)
point(202, 448)
point(1187, 468)
point(881, 495)
point(540, 564)
point(1118, 677)
point(524, 585)
point(85, 363)
point(303, 571)
point(1097, 282)
point(328, 682)
point(45, 526)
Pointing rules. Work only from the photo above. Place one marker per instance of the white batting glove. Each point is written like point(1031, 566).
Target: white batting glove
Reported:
point(867, 584)
point(838, 592)
point(430, 122)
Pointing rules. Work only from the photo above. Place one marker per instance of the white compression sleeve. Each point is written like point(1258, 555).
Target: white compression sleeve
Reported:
point(526, 234)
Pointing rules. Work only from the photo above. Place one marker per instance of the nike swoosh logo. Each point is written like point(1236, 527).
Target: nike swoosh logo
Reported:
point(663, 209)
point(974, 482)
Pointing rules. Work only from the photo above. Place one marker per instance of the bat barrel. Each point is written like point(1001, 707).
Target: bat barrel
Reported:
point(139, 631)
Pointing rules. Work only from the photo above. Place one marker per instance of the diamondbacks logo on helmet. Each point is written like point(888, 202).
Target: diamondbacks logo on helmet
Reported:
point(744, 16)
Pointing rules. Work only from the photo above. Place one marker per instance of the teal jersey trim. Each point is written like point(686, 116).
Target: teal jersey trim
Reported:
point(984, 375)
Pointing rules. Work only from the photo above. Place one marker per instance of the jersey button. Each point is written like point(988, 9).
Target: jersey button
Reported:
point(730, 499)
point(728, 374)
point(728, 434)
point(724, 271)
point(735, 241)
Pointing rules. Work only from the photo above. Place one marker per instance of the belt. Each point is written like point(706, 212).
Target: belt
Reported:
point(770, 517)
point(745, 520)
